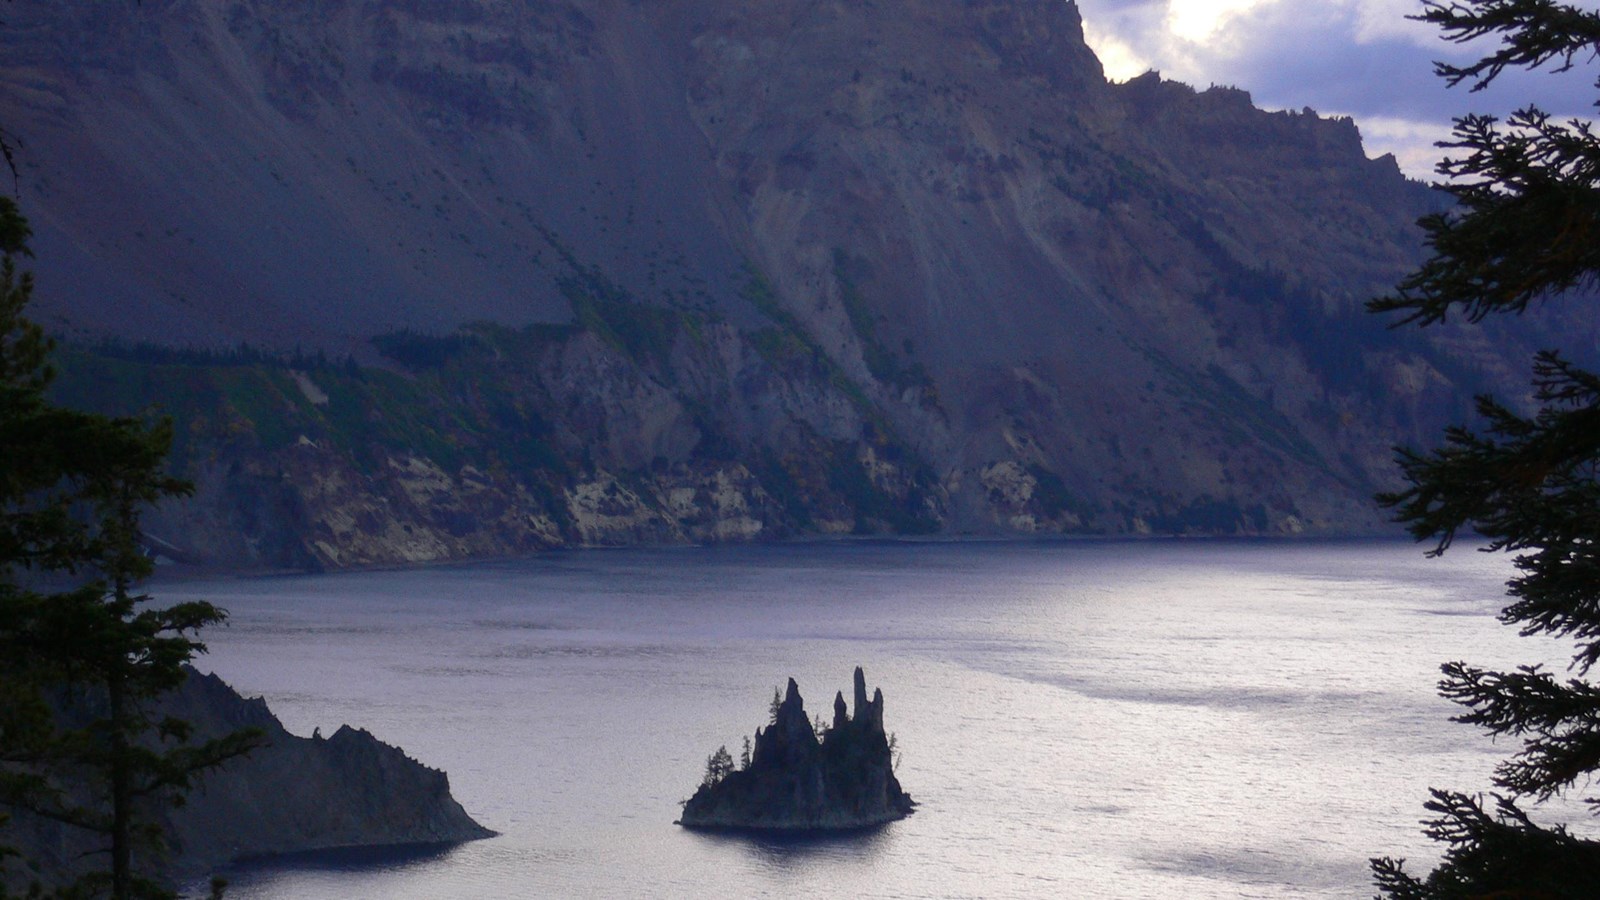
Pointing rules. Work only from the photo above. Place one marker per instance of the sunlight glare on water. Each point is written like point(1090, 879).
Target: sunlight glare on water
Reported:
point(1097, 719)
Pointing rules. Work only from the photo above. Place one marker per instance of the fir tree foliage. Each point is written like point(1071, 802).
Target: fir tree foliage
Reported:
point(719, 765)
point(1526, 228)
point(83, 660)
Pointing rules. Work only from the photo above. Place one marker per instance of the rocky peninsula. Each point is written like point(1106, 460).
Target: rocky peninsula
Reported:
point(290, 795)
point(798, 780)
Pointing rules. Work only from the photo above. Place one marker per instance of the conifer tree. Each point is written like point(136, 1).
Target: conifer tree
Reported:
point(1526, 229)
point(719, 765)
point(81, 665)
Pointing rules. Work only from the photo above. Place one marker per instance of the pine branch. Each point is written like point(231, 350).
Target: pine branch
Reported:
point(1526, 225)
point(1526, 701)
point(1502, 855)
point(1533, 33)
point(1560, 724)
point(1527, 485)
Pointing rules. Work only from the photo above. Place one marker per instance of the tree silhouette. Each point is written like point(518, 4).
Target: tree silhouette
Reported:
point(82, 664)
point(719, 765)
point(1526, 228)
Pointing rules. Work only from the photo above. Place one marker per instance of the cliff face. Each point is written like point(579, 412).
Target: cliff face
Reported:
point(510, 442)
point(734, 271)
point(800, 781)
point(292, 794)
point(295, 793)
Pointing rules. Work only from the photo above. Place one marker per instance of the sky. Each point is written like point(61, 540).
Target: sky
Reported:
point(1357, 58)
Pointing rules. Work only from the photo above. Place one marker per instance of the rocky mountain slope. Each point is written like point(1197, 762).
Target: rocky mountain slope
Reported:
point(725, 272)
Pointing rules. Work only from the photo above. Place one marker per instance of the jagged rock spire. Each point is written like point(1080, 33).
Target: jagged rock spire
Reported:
point(795, 783)
point(868, 713)
point(792, 726)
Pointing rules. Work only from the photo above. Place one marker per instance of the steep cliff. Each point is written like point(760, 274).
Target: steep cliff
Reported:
point(292, 794)
point(726, 272)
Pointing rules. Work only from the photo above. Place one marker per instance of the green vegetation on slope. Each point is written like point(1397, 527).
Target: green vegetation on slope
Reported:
point(508, 403)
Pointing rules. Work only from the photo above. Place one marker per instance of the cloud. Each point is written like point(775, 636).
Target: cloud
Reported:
point(1199, 21)
point(1361, 58)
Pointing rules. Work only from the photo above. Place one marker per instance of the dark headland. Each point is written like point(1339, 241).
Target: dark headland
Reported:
point(292, 795)
point(799, 781)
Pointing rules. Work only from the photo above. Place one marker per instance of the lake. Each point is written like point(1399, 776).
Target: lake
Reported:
point(1111, 719)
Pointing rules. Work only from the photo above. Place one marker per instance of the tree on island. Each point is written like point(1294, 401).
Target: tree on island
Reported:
point(1526, 228)
point(719, 765)
point(82, 654)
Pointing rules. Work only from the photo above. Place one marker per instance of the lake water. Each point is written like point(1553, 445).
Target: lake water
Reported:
point(1095, 719)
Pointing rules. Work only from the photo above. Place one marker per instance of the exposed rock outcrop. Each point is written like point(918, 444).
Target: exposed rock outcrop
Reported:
point(796, 781)
point(293, 794)
point(727, 271)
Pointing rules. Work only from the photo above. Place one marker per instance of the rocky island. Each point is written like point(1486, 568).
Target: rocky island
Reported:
point(798, 780)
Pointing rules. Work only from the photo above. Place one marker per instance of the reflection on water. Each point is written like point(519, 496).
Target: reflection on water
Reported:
point(1108, 719)
point(787, 852)
point(393, 858)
